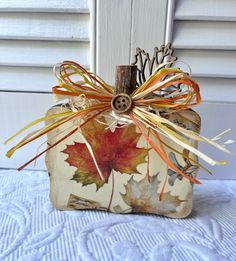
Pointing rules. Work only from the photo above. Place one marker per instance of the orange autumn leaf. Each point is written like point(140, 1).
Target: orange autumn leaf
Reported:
point(113, 151)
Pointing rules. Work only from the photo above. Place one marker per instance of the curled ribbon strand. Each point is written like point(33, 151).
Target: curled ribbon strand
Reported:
point(88, 96)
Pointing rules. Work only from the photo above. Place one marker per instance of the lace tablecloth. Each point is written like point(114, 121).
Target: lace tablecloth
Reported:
point(31, 229)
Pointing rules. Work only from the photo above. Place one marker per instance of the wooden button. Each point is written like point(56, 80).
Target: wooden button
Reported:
point(121, 103)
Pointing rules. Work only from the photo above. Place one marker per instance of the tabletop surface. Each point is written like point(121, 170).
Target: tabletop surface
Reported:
point(31, 229)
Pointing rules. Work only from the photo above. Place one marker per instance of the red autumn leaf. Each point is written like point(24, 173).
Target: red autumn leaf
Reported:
point(113, 151)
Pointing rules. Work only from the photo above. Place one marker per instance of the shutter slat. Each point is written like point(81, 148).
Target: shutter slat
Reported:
point(208, 47)
point(27, 79)
point(216, 10)
point(209, 63)
point(42, 53)
point(69, 6)
point(18, 109)
point(217, 117)
point(204, 35)
point(36, 35)
point(44, 26)
point(217, 89)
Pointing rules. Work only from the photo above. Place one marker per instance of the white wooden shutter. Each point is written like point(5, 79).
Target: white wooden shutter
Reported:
point(124, 25)
point(203, 33)
point(35, 35)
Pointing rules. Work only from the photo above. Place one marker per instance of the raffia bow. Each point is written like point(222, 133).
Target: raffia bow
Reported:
point(89, 97)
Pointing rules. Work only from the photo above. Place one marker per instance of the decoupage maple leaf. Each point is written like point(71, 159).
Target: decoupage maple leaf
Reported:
point(113, 151)
point(142, 196)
